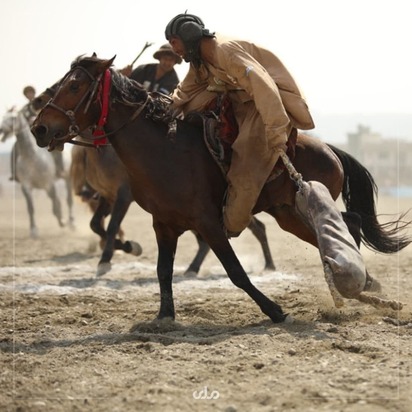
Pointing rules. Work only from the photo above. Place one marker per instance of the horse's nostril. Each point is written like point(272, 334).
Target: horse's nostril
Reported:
point(39, 131)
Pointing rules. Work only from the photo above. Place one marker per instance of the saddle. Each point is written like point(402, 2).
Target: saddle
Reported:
point(220, 131)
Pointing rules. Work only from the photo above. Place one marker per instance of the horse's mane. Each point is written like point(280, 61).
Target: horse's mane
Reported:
point(130, 92)
point(127, 91)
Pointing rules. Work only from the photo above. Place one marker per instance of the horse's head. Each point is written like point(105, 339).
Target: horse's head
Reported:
point(7, 127)
point(43, 98)
point(74, 106)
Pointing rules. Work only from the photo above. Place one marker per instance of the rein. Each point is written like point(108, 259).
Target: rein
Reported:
point(102, 86)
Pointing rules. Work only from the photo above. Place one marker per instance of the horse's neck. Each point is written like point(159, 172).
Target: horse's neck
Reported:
point(25, 139)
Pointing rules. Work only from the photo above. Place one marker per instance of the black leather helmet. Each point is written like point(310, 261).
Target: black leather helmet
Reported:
point(190, 29)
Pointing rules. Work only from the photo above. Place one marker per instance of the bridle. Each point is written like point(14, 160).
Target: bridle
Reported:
point(98, 137)
point(74, 129)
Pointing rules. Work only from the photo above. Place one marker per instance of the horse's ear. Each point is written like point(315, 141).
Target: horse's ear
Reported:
point(94, 54)
point(107, 63)
point(103, 65)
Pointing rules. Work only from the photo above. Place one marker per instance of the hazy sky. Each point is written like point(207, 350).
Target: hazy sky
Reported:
point(348, 56)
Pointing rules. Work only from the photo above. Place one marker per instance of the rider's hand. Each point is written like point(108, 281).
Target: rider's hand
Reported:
point(126, 71)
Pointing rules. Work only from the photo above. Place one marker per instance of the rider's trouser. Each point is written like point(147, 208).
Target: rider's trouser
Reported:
point(253, 159)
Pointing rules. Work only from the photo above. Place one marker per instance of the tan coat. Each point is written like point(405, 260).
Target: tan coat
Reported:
point(266, 103)
point(263, 77)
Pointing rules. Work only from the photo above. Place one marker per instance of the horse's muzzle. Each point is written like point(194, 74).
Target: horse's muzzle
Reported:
point(40, 132)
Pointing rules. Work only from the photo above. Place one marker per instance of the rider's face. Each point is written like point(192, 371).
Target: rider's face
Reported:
point(167, 62)
point(177, 46)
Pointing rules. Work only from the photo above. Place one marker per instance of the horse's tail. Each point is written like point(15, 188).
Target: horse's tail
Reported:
point(358, 194)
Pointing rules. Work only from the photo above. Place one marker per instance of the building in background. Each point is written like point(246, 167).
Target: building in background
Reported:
point(388, 160)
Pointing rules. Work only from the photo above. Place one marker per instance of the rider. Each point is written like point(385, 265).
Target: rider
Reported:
point(30, 114)
point(267, 104)
point(158, 77)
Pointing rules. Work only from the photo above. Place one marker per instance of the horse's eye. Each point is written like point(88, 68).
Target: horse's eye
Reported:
point(39, 102)
point(74, 87)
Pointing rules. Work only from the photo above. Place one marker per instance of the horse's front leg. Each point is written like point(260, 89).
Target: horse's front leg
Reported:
point(119, 210)
point(69, 199)
point(34, 233)
point(217, 240)
point(166, 242)
point(57, 209)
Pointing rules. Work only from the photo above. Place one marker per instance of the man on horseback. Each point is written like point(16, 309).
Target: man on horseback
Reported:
point(30, 114)
point(267, 104)
point(159, 77)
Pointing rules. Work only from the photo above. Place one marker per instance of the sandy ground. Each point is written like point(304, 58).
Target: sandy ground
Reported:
point(70, 342)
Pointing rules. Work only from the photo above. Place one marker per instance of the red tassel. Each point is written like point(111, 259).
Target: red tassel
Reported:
point(104, 98)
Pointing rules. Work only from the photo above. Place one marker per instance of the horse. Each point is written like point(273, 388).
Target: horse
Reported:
point(28, 111)
point(175, 179)
point(102, 172)
point(35, 167)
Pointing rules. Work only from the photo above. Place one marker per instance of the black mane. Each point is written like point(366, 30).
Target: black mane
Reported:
point(126, 90)
point(130, 92)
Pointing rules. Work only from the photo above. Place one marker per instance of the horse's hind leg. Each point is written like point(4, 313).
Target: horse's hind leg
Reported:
point(119, 211)
point(289, 221)
point(219, 243)
point(34, 233)
point(197, 261)
point(57, 209)
point(69, 200)
point(259, 231)
point(97, 221)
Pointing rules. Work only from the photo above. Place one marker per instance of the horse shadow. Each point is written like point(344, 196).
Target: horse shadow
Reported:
point(69, 258)
point(167, 332)
point(119, 284)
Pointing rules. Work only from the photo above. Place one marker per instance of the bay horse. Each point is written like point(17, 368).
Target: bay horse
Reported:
point(175, 179)
point(35, 167)
point(100, 169)
point(103, 173)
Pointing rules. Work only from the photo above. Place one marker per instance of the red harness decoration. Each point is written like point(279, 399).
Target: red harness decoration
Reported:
point(104, 92)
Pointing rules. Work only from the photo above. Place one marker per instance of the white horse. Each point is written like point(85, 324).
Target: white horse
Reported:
point(35, 167)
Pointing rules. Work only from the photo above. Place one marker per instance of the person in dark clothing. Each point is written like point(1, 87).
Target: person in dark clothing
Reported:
point(159, 77)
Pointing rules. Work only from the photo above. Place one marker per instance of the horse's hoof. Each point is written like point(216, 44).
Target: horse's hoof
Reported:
point(289, 319)
point(136, 248)
point(277, 315)
point(34, 233)
point(103, 268)
point(190, 274)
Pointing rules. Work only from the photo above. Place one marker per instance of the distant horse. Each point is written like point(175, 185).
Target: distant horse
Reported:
point(176, 180)
point(103, 172)
point(35, 167)
point(28, 111)
point(106, 175)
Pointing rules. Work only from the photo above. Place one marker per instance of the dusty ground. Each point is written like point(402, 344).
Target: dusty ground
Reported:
point(70, 342)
